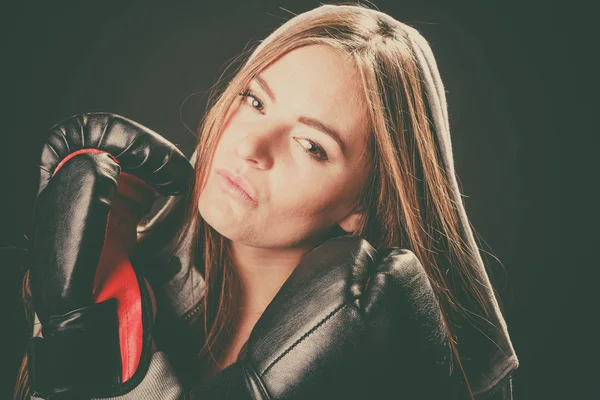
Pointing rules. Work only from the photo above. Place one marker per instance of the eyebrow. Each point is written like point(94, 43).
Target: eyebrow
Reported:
point(309, 121)
point(265, 86)
point(315, 123)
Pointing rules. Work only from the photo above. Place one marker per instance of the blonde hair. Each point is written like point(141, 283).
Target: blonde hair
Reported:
point(407, 198)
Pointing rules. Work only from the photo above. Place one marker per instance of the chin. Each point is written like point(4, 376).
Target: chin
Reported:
point(219, 218)
point(238, 228)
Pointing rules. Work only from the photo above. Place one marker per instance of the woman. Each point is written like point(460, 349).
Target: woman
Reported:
point(335, 125)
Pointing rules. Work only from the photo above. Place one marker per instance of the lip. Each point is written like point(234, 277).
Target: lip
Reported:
point(239, 182)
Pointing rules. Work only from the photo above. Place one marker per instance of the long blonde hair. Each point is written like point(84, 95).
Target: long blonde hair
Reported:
point(408, 195)
point(407, 198)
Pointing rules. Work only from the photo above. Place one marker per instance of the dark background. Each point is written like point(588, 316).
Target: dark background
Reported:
point(154, 63)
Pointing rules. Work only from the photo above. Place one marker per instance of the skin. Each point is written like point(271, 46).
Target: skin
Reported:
point(299, 197)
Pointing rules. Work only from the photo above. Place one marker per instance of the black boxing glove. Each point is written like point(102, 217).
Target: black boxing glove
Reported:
point(348, 323)
point(99, 174)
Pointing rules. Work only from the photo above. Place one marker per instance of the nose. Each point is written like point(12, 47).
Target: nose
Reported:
point(259, 144)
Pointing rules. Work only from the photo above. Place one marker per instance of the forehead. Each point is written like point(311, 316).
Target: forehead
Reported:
point(319, 82)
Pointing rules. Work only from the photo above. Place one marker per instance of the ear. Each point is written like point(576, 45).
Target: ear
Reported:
point(350, 222)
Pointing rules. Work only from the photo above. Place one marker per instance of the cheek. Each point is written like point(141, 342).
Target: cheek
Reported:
point(310, 197)
point(223, 213)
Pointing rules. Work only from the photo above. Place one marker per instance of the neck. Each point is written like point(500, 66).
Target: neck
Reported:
point(262, 272)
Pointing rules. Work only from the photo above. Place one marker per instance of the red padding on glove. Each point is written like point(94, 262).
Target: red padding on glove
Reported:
point(73, 154)
point(116, 278)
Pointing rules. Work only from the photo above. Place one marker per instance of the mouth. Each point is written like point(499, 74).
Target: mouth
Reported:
point(237, 186)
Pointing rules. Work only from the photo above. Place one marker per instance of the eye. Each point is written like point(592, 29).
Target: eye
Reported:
point(314, 150)
point(254, 102)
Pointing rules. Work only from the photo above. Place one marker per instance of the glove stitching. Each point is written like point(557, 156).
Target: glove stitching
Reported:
point(53, 150)
point(135, 139)
point(165, 162)
point(44, 169)
point(82, 126)
point(193, 312)
point(63, 134)
point(104, 132)
point(158, 184)
point(127, 344)
point(289, 349)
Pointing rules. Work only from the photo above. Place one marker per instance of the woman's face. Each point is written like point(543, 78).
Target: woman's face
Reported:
point(297, 139)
